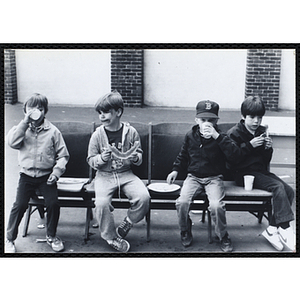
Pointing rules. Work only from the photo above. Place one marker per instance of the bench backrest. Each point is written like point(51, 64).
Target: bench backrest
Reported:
point(166, 143)
point(77, 136)
point(143, 130)
point(167, 139)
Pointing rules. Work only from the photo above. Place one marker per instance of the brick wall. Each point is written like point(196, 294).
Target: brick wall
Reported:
point(10, 77)
point(263, 75)
point(127, 75)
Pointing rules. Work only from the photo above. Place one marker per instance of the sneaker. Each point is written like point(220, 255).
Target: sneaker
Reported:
point(271, 234)
point(186, 236)
point(287, 237)
point(10, 247)
point(119, 244)
point(124, 228)
point(226, 245)
point(56, 243)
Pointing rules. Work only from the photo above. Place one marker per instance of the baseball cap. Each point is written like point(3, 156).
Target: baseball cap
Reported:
point(207, 109)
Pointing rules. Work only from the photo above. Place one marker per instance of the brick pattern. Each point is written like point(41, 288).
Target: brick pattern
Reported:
point(263, 75)
point(127, 75)
point(10, 77)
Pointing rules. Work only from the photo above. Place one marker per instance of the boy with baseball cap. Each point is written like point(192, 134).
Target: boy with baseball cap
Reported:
point(203, 155)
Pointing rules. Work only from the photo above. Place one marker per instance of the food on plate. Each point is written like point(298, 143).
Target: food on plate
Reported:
point(124, 155)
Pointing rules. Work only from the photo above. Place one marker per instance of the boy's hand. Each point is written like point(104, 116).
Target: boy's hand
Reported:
point(257, 141)
point(171, 177)
point(105, 155)
point(27, 119)
point(134, 157)
point(210, 131)
point(52, 179)
point(268, 143)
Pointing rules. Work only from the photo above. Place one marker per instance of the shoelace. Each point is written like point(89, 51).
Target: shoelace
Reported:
point(117, 244)
point(125, 225)
point(226, 239)
point(185, 234)
point(54, 240)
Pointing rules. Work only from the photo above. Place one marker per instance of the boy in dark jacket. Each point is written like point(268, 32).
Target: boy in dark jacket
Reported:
point(253, 158)
point(203, 155)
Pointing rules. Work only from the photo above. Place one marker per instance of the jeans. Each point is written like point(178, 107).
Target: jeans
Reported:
point(283, 194)
point(214, 189)
point(106, 184)
point(26, 188)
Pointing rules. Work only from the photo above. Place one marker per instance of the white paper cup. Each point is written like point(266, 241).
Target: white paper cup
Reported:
point(248, 182)
point(202, 129)
point(35, 115)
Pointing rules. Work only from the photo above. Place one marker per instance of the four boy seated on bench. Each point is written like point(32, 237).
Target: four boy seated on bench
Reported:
point(114, 147)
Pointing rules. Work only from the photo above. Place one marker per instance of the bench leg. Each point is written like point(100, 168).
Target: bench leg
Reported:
point(27, 220)
point(89, 215)
point(260, 216)
point(148, 215)
point(203, 215)
point(209, 227)
point(269, 212)
point(41, 211)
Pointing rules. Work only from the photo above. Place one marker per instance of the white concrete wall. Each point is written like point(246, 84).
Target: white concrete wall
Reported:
point(181, 78)
point(69, 77)
point(287, 97)
point(173, 78)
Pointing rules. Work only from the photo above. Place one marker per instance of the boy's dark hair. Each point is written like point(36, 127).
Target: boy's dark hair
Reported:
point(253, 106)
point(36, 100)
point(109, 101)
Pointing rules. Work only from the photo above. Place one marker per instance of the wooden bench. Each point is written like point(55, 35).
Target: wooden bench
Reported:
point(161, 144)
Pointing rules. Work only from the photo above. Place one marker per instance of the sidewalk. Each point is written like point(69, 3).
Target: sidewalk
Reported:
point(165, 237)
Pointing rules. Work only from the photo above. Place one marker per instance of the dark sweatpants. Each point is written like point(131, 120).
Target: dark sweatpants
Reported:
point(26, 188)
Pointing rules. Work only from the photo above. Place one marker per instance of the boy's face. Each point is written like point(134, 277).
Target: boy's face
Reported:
point(110, 118)
point(31, 109)
point(202, 122)
point(252, 122)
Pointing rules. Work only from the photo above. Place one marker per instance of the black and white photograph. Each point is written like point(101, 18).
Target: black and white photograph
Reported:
point(124, 173)
point(150, 150)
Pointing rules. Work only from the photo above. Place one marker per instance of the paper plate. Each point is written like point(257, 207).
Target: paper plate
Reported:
point(71, 184)
point(66, 180)
point(163, 187)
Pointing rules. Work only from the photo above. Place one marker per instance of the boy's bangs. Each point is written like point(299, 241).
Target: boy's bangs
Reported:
point(36, 100)
point(256, 109)
point(253, 106)
point(33, 102)
point(110, 101)
point(104, 106)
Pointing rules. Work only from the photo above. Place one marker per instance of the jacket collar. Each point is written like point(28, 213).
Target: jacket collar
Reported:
point(44, 126)
point(258, 131)
point(125, 125)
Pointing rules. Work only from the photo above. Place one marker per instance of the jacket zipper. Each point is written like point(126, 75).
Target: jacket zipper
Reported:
point(35, 154)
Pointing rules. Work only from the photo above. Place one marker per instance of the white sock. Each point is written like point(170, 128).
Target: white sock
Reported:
point(272, 229)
